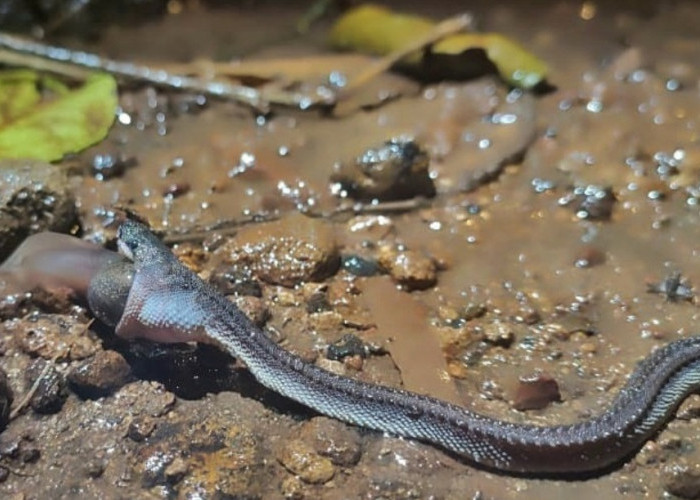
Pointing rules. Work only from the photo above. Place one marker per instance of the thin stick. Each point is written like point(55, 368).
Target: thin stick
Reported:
point(241, 93)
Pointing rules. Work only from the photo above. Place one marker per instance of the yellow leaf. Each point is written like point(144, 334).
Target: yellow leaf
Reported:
point(73, 121)
point(376, 30)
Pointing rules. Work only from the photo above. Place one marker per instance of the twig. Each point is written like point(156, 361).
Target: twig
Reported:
point(130, 71)
point(397, 206)
point(223, 228)
point(35, 386)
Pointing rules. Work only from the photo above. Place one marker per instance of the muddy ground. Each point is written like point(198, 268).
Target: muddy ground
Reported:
point(562, 246)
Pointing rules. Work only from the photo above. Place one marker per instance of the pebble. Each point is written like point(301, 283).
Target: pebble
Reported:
point(333, 439)
point(395, 170)
point(99, 375)
point(498, 333)
point(253, 307)
point(589, 256)
point(690, 408)
point(286, 252)
point(51, 391)
point(140, 428)
point(410, 269)
point(176, 470)
point(34, 197)
point(359, 266)
point(591, 202)
point(235, 281)
point(5, 400)
point(682, 479)
point(301, 459)
point(348, 345)
point(535, 392)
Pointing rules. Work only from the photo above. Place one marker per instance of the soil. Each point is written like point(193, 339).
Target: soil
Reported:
point(560, 248)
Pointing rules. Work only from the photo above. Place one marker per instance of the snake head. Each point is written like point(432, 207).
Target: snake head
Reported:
point(136, 242)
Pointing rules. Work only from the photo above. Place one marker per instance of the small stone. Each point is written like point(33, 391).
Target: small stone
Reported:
point(651, 453)
point(45, 339)
point(29, 454)
point(333, 439)
point(292, 488)
point(140, 428)
point(348, 345)
point(397, 169)
point(176, 470)
point(682, 479)
point(690, 408)
point(591, 202)
point(588, 348)
point(535, 392)
point(100, 375)
point(498, 333)
point(95, 468)
point(286, 252)
point(354, 362)
point(359, 266)
point(326, 321)
point(253, 307)
point(299, 458)
point(35, 196)
point(589, 256)
point(51, 390)
point(235, 281)
point(5, 400)
point(670, 441)
point(408, 268)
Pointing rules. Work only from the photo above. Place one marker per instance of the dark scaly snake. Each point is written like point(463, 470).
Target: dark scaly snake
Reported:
point(158, 298)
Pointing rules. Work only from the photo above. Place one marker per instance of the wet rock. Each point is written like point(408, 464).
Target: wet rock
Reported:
point(398, 169)
point(498, 333)
point(317, 302)
point(42, 338)
point(457, 317)
point(590, 202)
point(286, 252)
point(34, 197)
point(301, 459)
point(682, 479)
point(535, 392)
point(253, 307)
point(690, 408)
point(109, 162)
point(99, 375)
point(347, 345)
point(333, 439)
point(5, 400)
point(409, 268)
point(94, 468)
point(51, 391)
point(140, 428)
point(589, 256)
point(176, 470)
point(292, 487)
point(359, 266)
point(235, 281)
point(651, 453)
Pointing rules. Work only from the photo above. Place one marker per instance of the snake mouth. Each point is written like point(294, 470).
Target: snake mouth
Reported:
point(125, 250)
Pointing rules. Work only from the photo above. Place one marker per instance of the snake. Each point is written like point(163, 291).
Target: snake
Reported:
point(148, 293)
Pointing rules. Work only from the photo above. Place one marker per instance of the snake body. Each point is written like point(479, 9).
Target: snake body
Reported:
point(167, 302)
